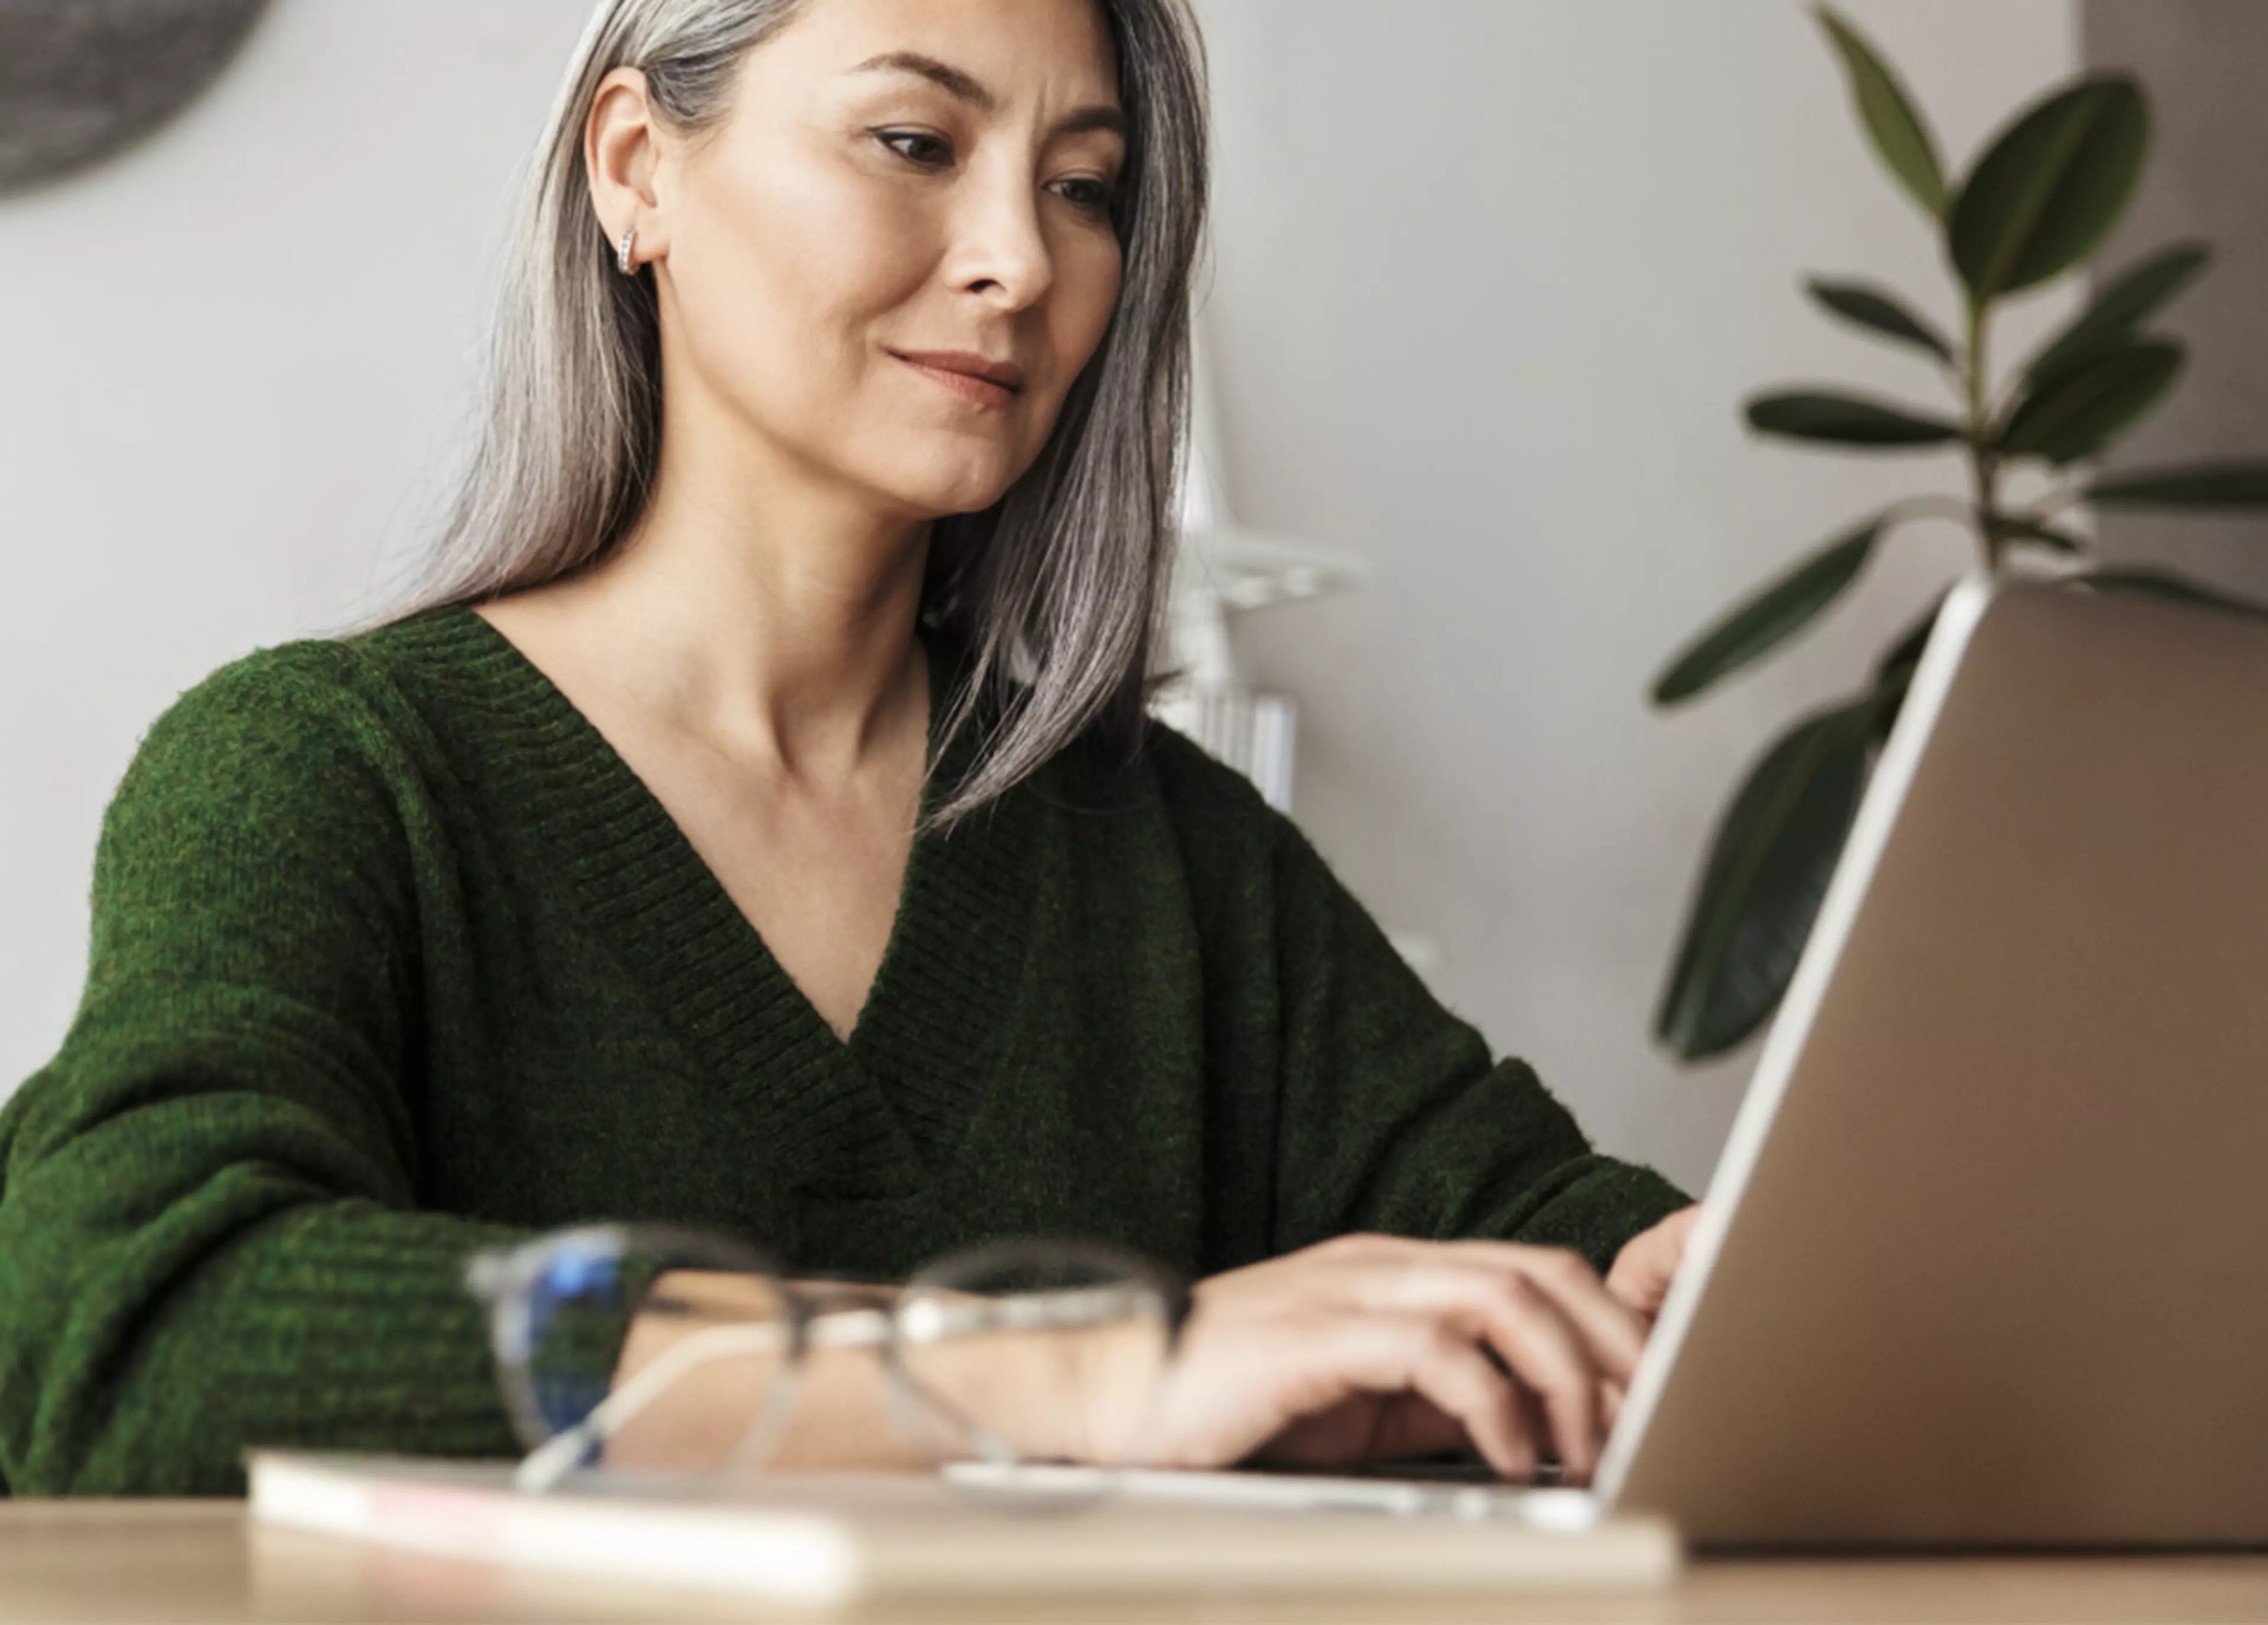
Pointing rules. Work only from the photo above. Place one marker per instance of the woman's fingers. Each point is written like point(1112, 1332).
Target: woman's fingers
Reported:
point(1539, 1343)
point(1648, 1262)
point(1352, 1347)
point(1321, 1387)
point(1353, 1268)
point(1387, 1354)
point(1615, 1334)
point(1462, 1278)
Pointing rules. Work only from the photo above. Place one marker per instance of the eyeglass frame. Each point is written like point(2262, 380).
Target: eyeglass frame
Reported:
point(811, 1315)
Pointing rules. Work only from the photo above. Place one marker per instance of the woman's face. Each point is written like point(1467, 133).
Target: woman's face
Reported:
point(906, 192)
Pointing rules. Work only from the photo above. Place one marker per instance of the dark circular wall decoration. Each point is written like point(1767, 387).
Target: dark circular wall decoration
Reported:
point(81, 78)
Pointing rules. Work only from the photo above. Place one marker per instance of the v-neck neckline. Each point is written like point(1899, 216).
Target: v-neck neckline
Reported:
point(872, 1114)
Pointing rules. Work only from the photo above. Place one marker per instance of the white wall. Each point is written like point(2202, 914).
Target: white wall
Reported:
point(233, 358)
point(1491, 277)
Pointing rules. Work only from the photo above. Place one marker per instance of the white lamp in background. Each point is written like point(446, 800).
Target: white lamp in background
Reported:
point(1224, 570)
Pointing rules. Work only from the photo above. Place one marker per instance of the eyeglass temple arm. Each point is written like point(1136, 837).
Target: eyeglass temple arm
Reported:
point(557, 1456)
point(846, 1328)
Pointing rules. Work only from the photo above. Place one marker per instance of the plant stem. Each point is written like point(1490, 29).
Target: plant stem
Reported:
point(1934, 505)
point(1984, 465)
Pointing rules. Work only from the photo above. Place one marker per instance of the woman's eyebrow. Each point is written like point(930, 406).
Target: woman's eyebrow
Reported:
point(962, 86)
point(965, 87)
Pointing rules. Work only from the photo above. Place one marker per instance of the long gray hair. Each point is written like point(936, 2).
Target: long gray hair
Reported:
point(1054, 592)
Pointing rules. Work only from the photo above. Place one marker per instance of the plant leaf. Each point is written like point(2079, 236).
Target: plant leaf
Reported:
point(1893, 672)
point(1871, 307)
point(1767, 868)
point(1845, 420)
point(1899, 659)
point(2122, 305)
point(1890, 702)
point(2239, 485)
point(1894, 125)
point(2015, 527)
point(2077, 412)
point(2159, 584)
point(1770, 617)
point(2048, 191)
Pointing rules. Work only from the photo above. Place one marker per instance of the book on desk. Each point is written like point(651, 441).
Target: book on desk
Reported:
point(831, 1540)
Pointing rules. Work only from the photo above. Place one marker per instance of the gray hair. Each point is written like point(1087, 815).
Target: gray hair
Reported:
point(1055, 592)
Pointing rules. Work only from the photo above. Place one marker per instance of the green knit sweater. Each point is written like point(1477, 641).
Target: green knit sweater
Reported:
point(394, 957)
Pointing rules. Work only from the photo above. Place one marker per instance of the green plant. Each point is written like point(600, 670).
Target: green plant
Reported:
point(2033, 207)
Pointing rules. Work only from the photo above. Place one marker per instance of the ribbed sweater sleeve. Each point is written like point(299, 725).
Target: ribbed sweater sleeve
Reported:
point(206, 1202)
point(1391, 1112)
point(1397, 1119)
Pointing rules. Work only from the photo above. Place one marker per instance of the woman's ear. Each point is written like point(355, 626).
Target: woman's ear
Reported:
point(624, 145)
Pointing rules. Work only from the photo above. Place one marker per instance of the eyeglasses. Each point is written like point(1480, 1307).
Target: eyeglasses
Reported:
point(1005, 1354)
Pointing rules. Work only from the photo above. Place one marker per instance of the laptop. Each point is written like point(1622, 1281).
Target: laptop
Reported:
point(1985, 1260)
point(1986, 1255)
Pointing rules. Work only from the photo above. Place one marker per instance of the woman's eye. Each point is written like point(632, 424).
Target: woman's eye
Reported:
point(1086, 192)
point(922, 147)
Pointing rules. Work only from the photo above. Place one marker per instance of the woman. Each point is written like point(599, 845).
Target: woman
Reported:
point(758, 827)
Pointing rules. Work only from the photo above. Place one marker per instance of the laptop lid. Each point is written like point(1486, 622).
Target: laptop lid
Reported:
point(1986, 1256)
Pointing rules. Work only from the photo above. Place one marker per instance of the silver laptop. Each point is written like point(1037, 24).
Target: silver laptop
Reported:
point(1985, 1260)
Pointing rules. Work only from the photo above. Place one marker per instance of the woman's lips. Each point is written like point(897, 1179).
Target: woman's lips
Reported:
point(992, 384)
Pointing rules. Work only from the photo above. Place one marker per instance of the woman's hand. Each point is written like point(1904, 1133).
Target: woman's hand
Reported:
point(1359, 1347)
point(1370, 1346)
point(1642, 1270)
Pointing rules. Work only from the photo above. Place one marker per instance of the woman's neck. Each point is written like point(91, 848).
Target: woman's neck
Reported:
point(771, 619)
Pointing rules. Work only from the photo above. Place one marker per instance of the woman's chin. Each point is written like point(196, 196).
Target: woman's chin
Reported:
point(942, 498)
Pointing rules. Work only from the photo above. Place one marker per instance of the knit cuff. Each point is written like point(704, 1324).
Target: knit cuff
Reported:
point(343, 1326)
point(1601, 1207)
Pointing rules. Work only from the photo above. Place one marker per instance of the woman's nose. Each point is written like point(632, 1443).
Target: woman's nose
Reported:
point(999, 248)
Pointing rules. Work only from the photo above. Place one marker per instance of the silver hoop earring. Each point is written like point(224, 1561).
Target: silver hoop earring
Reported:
point(622, 254)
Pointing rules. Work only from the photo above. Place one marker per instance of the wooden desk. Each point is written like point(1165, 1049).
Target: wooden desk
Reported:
point(190, 1564)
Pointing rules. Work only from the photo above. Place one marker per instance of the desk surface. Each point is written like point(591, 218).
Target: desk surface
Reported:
point(190, 1564)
